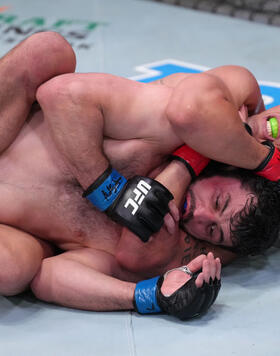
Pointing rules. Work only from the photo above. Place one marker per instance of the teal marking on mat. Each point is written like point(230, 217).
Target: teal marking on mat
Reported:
point(160, 69)
point(13, 29)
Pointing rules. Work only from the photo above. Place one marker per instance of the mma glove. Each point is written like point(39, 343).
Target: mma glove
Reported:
point(270, 166)
point(139, 203)
point(185, 303)
point(193, 160)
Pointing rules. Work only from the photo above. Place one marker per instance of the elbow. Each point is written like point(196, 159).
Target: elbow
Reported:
point(59, 91)
point(126, 260)
point(183, 118)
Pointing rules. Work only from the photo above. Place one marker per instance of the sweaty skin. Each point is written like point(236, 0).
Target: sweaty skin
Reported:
point(41, 192)
point(33, 171)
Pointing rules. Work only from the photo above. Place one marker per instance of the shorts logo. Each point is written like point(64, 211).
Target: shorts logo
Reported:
point(140, 192)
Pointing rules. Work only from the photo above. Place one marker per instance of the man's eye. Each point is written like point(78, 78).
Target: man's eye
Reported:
point(217, 203)
point(212, 229)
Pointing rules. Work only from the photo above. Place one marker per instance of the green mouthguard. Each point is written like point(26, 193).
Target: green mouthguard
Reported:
point(274, 127)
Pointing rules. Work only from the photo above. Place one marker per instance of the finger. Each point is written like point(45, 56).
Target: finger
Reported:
point(196, 264)
point(243, 113)
point(218, 268)
point(206, 270)
point(169, 224)
point(199, 280)
point(212, 265)
point(174, 211)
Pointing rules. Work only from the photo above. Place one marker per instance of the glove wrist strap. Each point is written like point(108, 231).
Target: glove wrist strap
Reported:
point(187, 165)
point(104, 190)
point(145, 300)
point(267, 158)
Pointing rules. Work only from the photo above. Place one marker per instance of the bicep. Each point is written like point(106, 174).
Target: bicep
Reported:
point(242, 85)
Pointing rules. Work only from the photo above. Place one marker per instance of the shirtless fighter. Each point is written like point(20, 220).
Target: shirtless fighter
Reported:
point(48, 197)
point(140, 124)
point(41, 201)
point(89, 114)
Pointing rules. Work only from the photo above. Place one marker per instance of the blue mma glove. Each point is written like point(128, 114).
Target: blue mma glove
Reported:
point(185, 303)
point(139, 203)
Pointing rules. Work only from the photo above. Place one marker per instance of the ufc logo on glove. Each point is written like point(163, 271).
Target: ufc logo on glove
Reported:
point(140, 191)
point(121, 199)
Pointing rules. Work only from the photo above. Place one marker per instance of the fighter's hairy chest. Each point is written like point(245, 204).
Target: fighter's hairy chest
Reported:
point(39, 194)
point(57, 213)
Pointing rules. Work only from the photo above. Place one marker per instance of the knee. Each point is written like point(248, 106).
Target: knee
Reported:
point(14, 277)
point(45, 55)
point(54, 49)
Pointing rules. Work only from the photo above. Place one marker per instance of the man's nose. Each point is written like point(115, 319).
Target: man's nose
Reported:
point(205, 215)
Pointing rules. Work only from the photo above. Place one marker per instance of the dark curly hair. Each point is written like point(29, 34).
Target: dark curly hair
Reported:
point(256, 227)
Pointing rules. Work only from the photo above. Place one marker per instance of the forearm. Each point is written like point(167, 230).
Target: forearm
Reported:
point(73, 111)
point(176, 178)
point(68, 282)
point(213, 128)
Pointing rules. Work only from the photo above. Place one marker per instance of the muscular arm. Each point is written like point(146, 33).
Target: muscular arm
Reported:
point(89, 279)
point(203, 111)
point(243, 87)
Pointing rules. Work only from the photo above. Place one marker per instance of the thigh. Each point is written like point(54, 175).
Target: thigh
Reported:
point(21, 255)
point(31, 63)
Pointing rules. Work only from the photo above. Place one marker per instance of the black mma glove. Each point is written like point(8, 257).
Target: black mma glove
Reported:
point(185, 303)
point(139, 203)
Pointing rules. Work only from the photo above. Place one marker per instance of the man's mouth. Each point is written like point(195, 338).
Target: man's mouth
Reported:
point(272, 127)
point(190, 206)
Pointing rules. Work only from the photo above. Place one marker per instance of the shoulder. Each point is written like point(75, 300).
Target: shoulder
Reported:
point(172, 80)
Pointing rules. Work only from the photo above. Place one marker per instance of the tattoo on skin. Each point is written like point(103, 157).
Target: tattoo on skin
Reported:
point(192, 250)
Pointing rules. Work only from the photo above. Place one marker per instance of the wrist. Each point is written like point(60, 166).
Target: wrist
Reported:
point(145, 296)
point(263, 153)
point(176, 178)
point(193, 161)
point(178, 169)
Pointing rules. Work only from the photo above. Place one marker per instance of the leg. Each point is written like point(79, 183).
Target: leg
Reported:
point(20, 258)
point(83, 279)
point(22, 70)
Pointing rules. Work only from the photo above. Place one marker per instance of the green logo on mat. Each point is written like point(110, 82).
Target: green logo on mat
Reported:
point(77, 32)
